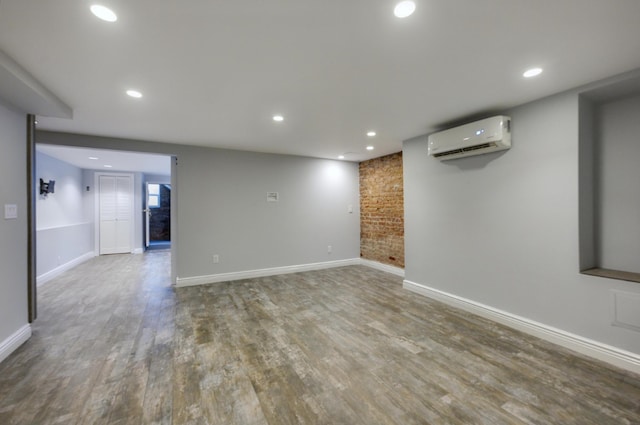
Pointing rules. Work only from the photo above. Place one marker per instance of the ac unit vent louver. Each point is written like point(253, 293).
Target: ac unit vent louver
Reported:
point(467, 149)
point(484, 136)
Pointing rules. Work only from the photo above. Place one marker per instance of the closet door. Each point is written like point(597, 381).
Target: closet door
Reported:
point(116, 200)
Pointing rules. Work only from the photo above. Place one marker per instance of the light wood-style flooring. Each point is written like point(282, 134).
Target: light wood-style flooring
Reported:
point(116, 344)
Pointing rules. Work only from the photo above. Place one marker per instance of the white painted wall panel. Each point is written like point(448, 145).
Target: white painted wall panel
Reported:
point(626, 310)
point(57, 246)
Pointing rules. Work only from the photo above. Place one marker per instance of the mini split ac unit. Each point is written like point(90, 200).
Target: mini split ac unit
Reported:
point(484, 136)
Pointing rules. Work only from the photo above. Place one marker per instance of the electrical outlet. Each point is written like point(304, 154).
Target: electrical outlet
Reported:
point(329, 249)
point(216, 258)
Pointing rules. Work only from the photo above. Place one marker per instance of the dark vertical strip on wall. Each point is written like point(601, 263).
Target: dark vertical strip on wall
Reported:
point(31, 218)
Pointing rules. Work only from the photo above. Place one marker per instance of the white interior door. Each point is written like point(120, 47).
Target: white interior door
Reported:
point(115, 206)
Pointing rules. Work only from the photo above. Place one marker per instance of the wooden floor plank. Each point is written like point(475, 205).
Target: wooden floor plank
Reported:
point(117, 344)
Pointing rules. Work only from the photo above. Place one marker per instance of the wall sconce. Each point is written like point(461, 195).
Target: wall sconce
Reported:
point(47, 187)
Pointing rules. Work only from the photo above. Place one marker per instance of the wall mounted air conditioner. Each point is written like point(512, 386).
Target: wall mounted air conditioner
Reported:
point(484, 136)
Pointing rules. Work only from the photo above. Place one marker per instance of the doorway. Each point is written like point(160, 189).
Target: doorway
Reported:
point(68, 221)
point(158, 216)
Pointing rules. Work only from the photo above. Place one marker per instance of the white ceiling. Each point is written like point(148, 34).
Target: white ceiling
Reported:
point(214, 72)
point(119, 161)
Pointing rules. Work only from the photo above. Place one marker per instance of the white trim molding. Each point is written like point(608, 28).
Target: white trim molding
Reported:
point(382, 267)
point(12, 343)
point(607, 353)
point(250, 274)
point(51, 274)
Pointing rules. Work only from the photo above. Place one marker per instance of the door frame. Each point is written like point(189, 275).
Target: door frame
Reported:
point(32, 292)
point(146, 211)
point(146, 214)
point(96, 208)
point(81, 141)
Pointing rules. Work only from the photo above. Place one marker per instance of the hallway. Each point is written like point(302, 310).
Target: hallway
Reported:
point(337, 346)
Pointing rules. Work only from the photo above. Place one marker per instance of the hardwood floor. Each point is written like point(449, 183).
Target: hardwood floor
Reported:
point(116, 344)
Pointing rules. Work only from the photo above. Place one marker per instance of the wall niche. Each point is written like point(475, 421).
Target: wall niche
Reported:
point(609, 179)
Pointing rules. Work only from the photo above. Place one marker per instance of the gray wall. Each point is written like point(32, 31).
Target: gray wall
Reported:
point(502, 229)
point(618, 165)
point(63, 231)
point(226, 211)
point(221, 206)
point(13, 233)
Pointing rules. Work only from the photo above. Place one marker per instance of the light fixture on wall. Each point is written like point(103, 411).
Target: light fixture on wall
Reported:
point(47, 187)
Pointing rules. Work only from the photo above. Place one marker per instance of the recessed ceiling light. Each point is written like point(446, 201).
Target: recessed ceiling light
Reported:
point(404, 9)
point(371, 133)
point(532, 72)
point(108, 166)
point(134, 93)
point(370, 148)
point(341, 157)
point(278, 118)
point(104, 13)
point(93, 158)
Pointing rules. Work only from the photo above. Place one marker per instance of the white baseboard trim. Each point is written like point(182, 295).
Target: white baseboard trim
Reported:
point(607, 353)
point(45, 277)
point(250, 274)
point(137, 251)
point(12, 343)
point(383, 267)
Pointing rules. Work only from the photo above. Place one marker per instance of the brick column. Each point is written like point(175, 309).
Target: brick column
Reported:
point(382, 210)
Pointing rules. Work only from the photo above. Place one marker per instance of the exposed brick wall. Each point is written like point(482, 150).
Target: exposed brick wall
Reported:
point(382, 210)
